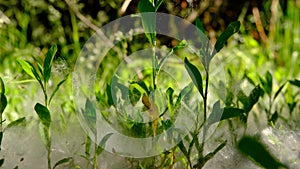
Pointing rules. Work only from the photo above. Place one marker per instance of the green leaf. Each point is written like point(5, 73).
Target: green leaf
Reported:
point(230, 112)
point(90, 115)
point(182, 44)
point(141, 86)
point(30, 70)
point(148, 20)
point(254, 95)
point(195, 75)
point(269, 80)
point(219, 114)
point(200, 26)
point(183, 149)
point(48, 62)
point(1, 162)
point(230, 30)
point(17, 122)
point(169, 93)
point(182, 94)
point(62, 161)
point(295, 82)
point(88, 145)
point(157, 4)
point(3, 103)
point(216, 113)
point(134, 94)
point(56, 89)
point(274, 117)
point(2, 87)
point(44, 114)
point(110, 97)
point(202, 161)
point(27, 67)
point(102, 143)
point(278, 91)
point(257, 152)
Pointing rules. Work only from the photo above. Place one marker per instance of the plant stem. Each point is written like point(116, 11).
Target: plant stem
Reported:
point(205, 127)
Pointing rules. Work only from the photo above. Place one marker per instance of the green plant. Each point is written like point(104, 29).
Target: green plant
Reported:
point(217, 113)
point(42, 74)
point(90, 116)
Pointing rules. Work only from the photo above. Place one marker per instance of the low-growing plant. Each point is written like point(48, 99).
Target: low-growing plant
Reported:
point(42, 73)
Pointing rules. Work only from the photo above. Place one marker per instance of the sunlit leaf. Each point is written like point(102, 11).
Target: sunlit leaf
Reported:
point(140, 86)
point(43, 113)
point(102, 143)
point(195, 75)
point(230, 30)
point(62, 161)
point(48, 62)
point(257, 152)
point(27, 67)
